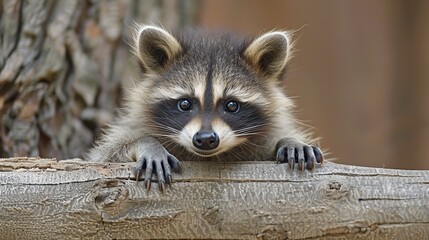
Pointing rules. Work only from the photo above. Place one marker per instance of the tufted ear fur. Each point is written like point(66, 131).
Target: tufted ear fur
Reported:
point(269, 53)
point(155, 48)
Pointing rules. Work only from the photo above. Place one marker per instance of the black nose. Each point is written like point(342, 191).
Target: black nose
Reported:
point(206, 140)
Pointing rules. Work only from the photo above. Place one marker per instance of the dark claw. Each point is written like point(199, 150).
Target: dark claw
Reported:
point(167, 172)
point(147, 184)
point(137, 173)
point(161, 186)
point(311, 166)
point(318, 153)
point(300, 156)
point(160, 175)
point(309, 157)
point(291, 157)
point(138, 168)
point(291, 165)
point(148, 174)
point(159, 172)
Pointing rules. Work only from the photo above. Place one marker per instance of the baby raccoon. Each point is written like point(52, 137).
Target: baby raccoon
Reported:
point(205, 95)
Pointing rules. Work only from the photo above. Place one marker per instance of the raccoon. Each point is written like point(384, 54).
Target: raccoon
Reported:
point(206, 96)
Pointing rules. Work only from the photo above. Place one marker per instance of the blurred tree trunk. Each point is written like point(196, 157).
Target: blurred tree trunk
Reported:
point(61, 67)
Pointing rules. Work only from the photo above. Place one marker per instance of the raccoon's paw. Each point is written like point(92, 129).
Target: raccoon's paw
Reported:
point(291, 152)
point(155, 159)
point(160, 166)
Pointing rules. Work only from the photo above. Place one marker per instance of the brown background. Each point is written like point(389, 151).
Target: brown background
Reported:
point(361, 75)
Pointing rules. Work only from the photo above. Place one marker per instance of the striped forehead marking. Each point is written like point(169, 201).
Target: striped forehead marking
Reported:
point(208, 93)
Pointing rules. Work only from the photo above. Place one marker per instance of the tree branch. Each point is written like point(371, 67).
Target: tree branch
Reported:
point(49, 199)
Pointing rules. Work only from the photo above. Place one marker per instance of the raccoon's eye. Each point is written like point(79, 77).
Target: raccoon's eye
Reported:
point(184, 105)
point(232, 106)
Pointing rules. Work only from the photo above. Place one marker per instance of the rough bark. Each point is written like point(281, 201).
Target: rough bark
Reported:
point(62, 64)
point(47, 199)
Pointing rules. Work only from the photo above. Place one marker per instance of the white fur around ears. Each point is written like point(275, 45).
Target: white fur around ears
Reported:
point(270, 52)
point(155, 47)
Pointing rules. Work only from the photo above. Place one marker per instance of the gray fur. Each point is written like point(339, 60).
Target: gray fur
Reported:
point(230, 65)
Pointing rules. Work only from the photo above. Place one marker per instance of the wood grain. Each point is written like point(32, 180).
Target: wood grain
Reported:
point(49, 199)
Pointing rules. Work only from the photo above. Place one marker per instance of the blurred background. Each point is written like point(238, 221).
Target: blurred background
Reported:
point(360, 76)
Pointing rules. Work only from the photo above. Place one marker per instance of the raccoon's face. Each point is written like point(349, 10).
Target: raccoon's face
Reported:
point(210, 93)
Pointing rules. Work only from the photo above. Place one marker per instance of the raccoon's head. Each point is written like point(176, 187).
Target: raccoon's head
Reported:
point(209, 92)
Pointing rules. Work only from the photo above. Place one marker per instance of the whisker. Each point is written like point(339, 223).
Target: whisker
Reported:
point(250, 128)
point(251, 134)
point(234, 154)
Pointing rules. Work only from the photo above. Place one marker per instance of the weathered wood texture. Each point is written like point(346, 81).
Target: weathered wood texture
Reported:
point(46, 199)
point(62, 64)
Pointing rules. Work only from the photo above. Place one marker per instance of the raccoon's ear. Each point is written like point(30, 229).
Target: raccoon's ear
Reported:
point(269, 53)
point(155, 48)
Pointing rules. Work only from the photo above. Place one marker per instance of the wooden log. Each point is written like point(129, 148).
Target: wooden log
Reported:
point(49, 199)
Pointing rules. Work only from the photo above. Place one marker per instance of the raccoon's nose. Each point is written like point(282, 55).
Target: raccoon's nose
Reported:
point(206, 140)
